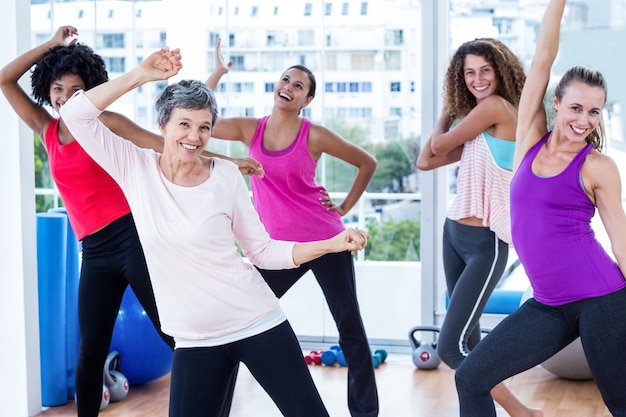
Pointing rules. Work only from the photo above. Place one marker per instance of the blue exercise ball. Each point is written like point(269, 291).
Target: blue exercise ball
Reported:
point(144, 356)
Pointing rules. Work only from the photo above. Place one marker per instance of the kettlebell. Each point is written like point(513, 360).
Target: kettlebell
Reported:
point(114, 380)
point(424, 353)
point(106, 397)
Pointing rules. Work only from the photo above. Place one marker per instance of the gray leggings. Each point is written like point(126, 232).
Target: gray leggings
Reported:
point(474, 260)
point(534, 333)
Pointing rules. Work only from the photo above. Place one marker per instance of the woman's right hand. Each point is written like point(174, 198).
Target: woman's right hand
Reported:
point(162, 64)
point(65, 36)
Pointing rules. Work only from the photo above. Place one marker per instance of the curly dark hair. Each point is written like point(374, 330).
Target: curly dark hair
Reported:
point(75, 59)
point(508, 68)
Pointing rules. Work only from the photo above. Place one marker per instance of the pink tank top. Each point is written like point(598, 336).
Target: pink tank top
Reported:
point(287, 198)
point(92, 198)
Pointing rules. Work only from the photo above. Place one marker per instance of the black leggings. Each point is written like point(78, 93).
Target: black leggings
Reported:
point(112, 258)
point(201, 376)
point(335, 274)
point(474, 260)
point(534, 333)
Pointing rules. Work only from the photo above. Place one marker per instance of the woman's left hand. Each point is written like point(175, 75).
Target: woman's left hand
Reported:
point(352, 239)
point(328, 202)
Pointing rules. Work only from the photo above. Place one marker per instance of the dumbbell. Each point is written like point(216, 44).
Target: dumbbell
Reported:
point(424, 353)
point(315, 357)
point(114, 380)
point(379, 357)
point(333, 355)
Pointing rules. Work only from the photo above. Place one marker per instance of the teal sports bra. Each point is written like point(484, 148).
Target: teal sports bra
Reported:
point(502, 151)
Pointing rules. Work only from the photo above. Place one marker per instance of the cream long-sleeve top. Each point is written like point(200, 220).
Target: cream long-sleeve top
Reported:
point(202, 286)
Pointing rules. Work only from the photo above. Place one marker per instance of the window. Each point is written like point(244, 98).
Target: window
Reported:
point(393, 60)
point(329, 87)
point(306, 38)
point(355, 113)
point(341, 87)
point(354, 87)
point(269, 87)
point(307, 9)
point(328, 9)
point(344, 8)
point(255, 11)
point(238, 62)
point(112, 40)
point(115, 64)
point(231, 39)
point(366, 87)
point(364, 8)
point(395, 37)
point(394, 86)
point(395, 111)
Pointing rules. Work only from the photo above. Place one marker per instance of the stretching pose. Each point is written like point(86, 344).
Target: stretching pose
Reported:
point(112, 257)
point(189, 210)
point(560, 179)
point(292, 206)
point(482, 88)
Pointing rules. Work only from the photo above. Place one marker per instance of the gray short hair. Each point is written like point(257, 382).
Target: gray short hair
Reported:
point(185, 94)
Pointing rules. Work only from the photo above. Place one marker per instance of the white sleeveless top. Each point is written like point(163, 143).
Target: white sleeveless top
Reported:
point(483, 189)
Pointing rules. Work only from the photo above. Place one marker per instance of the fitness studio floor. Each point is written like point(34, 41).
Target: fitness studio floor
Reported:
point(404, 391)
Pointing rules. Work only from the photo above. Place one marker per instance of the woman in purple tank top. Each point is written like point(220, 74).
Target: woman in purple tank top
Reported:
point(578, 289)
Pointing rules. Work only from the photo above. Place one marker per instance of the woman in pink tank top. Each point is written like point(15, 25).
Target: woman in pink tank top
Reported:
point(560, 179)
point(293, 206)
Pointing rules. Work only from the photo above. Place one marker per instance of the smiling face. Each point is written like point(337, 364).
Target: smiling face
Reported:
point(480, 77)
point(62, 89)
point(579, 111)
point(187, 133)
point(293, 89)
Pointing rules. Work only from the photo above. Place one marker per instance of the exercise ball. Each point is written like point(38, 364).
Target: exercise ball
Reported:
point(570, 362)
point(143, 355)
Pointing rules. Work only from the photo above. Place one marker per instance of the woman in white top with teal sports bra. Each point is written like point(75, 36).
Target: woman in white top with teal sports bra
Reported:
point(476, 127)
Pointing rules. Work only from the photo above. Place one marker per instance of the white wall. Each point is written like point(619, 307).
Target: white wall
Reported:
point(20, 386)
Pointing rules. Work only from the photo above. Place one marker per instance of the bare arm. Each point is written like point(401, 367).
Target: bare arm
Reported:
point(221, 67)
point(427, 159)
point(143, 138)
point(446, 143)
point(348, 240)
point(532, 123)
point(606, 189)
point(35, 116)
point(323, 140)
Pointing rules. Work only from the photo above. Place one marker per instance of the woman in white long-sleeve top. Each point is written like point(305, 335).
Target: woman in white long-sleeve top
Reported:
point(189, 210)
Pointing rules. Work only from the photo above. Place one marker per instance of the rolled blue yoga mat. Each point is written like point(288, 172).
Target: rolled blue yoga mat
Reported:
point(51, 270)
point(71, 303)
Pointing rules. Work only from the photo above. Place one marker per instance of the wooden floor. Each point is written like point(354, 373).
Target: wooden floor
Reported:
point(404, 391)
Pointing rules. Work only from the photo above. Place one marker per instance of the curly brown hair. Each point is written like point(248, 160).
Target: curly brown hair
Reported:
point(508, 68)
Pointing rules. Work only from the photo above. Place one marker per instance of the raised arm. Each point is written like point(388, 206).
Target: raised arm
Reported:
point(35, 116)
point(532, 120)
point(160, 65)
point(221, 67)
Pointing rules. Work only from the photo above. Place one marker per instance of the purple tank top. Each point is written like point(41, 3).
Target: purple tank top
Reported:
point(287, 197)
point(552, 234)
